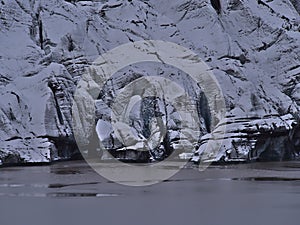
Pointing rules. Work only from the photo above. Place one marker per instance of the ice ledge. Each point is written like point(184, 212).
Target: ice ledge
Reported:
point(21, 151)
point(249, 139)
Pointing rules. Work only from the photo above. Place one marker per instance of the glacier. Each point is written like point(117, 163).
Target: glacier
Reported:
point(252, 48)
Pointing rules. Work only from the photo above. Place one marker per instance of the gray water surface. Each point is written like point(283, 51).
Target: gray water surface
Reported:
point(71, 193)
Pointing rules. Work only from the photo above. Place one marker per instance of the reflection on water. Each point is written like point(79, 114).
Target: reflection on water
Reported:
point(267, 179)
point(66, 171)
point(72, 193)
point(67, 194)
point(57, 195)
point(66, 185)
point(79, 178)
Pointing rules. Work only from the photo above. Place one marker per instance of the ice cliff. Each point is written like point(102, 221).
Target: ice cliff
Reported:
point(251, 46)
